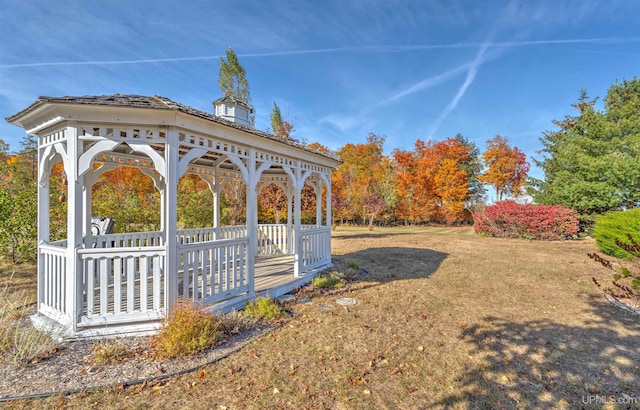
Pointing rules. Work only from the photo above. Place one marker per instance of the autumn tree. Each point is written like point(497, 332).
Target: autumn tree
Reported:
point(405, 164)
point(280, 127)
point(129, 197)
point(18, 201)
point(272, 203)
point(506, 167)
point(233, 204)
point(316, 146)
point(195, 203)
point(451, 181)
point(355, 184)
point(432, 183)
point(232, 79)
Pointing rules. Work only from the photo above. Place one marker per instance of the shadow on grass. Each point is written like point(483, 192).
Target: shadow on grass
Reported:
point(542, 364)
point(395, 263)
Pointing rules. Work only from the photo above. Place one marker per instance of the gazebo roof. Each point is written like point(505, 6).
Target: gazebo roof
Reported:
point(155, 102)
point(232, 99)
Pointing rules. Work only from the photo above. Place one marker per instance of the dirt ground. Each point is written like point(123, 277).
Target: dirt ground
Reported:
point(446, 319)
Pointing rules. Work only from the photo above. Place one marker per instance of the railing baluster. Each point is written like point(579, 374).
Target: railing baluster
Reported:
point(117, 285)
point(131, 283)
point(144, 273)
point(103, 285)
point(157, 272)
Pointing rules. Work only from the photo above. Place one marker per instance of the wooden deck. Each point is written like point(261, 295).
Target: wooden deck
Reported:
point(273, 272)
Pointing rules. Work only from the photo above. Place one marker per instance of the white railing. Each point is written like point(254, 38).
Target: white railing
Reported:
point(126, 284)
point(272, 239)
point(196, 235)
point(213, 271)
point(233, 232)
point(128, 240)
point(316, 248)
point(52, 281)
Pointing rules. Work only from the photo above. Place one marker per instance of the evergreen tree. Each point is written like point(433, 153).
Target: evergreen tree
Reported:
point(473, 167)
point(276, 119)
point(232, 79)
point(592, 162)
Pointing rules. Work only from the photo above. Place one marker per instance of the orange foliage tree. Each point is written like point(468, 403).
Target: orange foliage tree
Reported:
point(432, 184)
point(506, 167)
point(356, 183)
point(129, 197)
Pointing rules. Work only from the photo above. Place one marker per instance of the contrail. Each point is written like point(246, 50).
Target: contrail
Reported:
point(429, 82)
point(355, 49)
point(70, 63)
point(471, 75)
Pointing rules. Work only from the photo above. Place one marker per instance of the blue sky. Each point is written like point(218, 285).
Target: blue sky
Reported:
point(338, 68)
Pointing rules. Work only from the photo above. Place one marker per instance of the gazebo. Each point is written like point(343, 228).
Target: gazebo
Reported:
point(93, 284)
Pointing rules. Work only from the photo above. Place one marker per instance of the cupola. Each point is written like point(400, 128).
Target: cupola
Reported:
point(233, 109)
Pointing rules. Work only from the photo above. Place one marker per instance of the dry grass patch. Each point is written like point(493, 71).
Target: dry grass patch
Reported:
point(19, 341)
point(445, 320)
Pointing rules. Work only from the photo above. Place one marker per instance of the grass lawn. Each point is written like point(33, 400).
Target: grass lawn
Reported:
point(447, 319)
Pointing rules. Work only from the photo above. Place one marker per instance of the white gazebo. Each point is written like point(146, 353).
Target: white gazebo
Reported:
point(93, 285)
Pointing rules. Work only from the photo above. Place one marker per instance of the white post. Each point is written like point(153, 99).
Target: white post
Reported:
point(43, 221)
point(297, 234)
point(87, 198)
point(318, 190)
point(163, 208)
point(216, 201)
point(252, 219)
point(328, 203)
point(74, 280)
point(171, 156)
point(289, 193)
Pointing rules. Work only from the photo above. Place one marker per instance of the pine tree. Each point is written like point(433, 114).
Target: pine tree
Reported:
point(472, 165)
point(233, 79)
point(276, 119)
point(591, 163)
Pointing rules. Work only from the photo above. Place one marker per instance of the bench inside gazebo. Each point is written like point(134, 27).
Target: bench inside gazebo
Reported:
point(95, 285)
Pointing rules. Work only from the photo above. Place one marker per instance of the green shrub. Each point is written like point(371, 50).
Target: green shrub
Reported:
point(263, 308)
point(189, 330)
point(327, 282)
point(617, 225)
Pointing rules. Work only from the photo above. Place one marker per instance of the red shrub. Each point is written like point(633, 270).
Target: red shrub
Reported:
point(507, 219)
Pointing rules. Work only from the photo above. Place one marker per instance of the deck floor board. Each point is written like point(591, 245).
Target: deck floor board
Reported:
point(271, 272)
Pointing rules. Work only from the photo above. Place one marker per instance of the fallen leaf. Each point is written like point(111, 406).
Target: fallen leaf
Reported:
point(201, 374)
point(157, 387)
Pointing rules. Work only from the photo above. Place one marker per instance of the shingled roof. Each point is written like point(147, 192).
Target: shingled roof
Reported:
point(155, 102)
